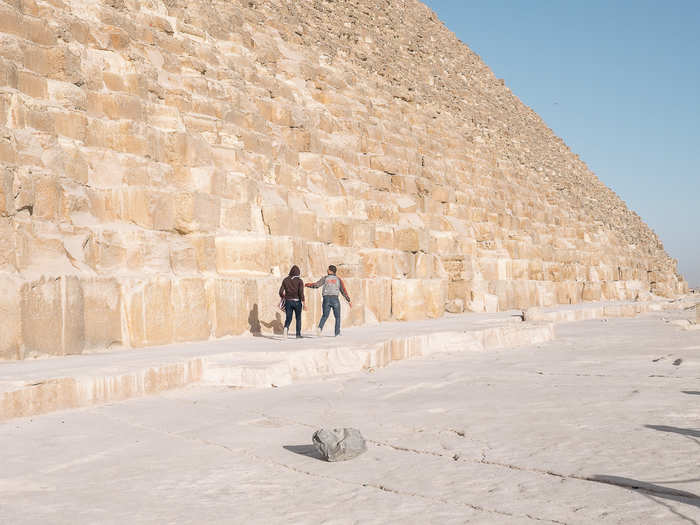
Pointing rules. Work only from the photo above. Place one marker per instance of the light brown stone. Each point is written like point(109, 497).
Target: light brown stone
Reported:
point(10, 319)
point(103, 313)
point(149, 312)
point(164, 177)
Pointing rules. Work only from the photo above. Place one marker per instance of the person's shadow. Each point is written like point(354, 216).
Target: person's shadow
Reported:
point(255, 324)
point(254, 321)
point(276, 325)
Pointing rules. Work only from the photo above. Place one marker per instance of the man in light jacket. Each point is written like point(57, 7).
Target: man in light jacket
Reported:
point(332, 287)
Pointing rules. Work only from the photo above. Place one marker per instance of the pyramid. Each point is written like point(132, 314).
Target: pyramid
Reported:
point(164, 163)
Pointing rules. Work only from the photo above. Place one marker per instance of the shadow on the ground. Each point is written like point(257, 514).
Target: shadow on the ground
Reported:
point(304, 450)
point(691, 392)
point(650, 489)
point(676, 430)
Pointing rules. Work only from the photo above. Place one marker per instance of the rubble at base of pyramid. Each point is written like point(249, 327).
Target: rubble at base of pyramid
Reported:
point(162, 164)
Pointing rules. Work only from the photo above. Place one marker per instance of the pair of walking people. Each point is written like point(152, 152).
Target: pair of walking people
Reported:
point(292, 295)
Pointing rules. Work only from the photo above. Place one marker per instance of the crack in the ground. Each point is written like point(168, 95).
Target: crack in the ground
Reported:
point(298, 470)
point(399, 492)
point(641, 487)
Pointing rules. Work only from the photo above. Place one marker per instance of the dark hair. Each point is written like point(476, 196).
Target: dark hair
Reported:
point(294, 271)
point(332, 268)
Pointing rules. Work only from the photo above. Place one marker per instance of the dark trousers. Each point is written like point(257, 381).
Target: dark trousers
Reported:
point(289, 308)
point(331, 302)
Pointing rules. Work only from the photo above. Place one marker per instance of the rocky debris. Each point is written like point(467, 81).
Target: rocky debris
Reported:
point(339, 444)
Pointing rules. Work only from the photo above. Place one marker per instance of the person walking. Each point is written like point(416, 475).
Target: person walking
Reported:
point(332, 286)
point(292, 292)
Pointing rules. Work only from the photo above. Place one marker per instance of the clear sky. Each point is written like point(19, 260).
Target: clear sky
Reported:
point(619, 81)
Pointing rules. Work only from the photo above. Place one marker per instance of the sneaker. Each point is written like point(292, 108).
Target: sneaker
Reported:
point(317, 332)
point(300, 336)
point(286, 333)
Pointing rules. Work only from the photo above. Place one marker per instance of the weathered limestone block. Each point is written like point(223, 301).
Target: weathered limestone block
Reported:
point(435, 297)
point(546, 293)
point(10, 318)
point(377, 263)
point(278, 220)
point(592, 291)
point(196, 212)
point(235, 308)
point(7, 196)
point(377, 297)
point(402, 264)
point(242, 254)
point(241, 217)
point(183, 256)
point(190, 304)
point(31, 84)
point(53, 316)
point(37, 244)
point(363, 234)
point(413, 299)
point(103, 313)
point(149, 311)
point(426, 266)
point(384, 237)
point(341, 232)
point(411, 239)
point(147, 251)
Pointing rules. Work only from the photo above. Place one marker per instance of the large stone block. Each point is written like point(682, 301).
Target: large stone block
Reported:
point(10, 318)
point(235, 309)
point(592, 291)
point(377, 263)
point(52, 316)
point(377, 297)
point(196, 212)
point(190, 310)
point(31, 84)
point(236, 254)
point(149, 311)
point(411, 239)
point(103, 313)
point(278, 220)
point(413, 299)
point(316, 260)
point(7, 196)
point(243, 217)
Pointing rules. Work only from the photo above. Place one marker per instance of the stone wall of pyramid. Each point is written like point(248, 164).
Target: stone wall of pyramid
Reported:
point(163, 163)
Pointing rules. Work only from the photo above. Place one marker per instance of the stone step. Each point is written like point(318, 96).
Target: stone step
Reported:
point(33, 387)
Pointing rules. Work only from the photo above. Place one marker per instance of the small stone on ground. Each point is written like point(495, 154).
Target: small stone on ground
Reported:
point(339, 444)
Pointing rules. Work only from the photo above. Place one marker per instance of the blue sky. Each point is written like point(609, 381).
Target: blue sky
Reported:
point(619, 81)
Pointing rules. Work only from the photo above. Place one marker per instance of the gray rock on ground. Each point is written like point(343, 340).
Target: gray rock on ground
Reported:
point(339, 444)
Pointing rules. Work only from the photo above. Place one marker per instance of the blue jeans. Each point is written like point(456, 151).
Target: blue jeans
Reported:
point(295, 308)
point(331, 302)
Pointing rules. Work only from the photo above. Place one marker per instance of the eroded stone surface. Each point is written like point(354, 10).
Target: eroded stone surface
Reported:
point(163, 163)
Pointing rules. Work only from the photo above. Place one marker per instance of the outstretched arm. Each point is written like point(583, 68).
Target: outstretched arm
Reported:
point(317, 284)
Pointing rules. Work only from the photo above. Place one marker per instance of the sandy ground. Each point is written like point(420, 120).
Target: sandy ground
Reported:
point(599, 426)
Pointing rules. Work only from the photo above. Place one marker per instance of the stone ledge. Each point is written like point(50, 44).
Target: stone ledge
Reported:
point(34, 387)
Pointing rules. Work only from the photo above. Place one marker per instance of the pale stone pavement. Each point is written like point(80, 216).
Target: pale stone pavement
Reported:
point(504, 436)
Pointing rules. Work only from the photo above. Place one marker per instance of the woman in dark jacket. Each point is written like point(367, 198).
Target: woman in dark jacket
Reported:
point(292, 291)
